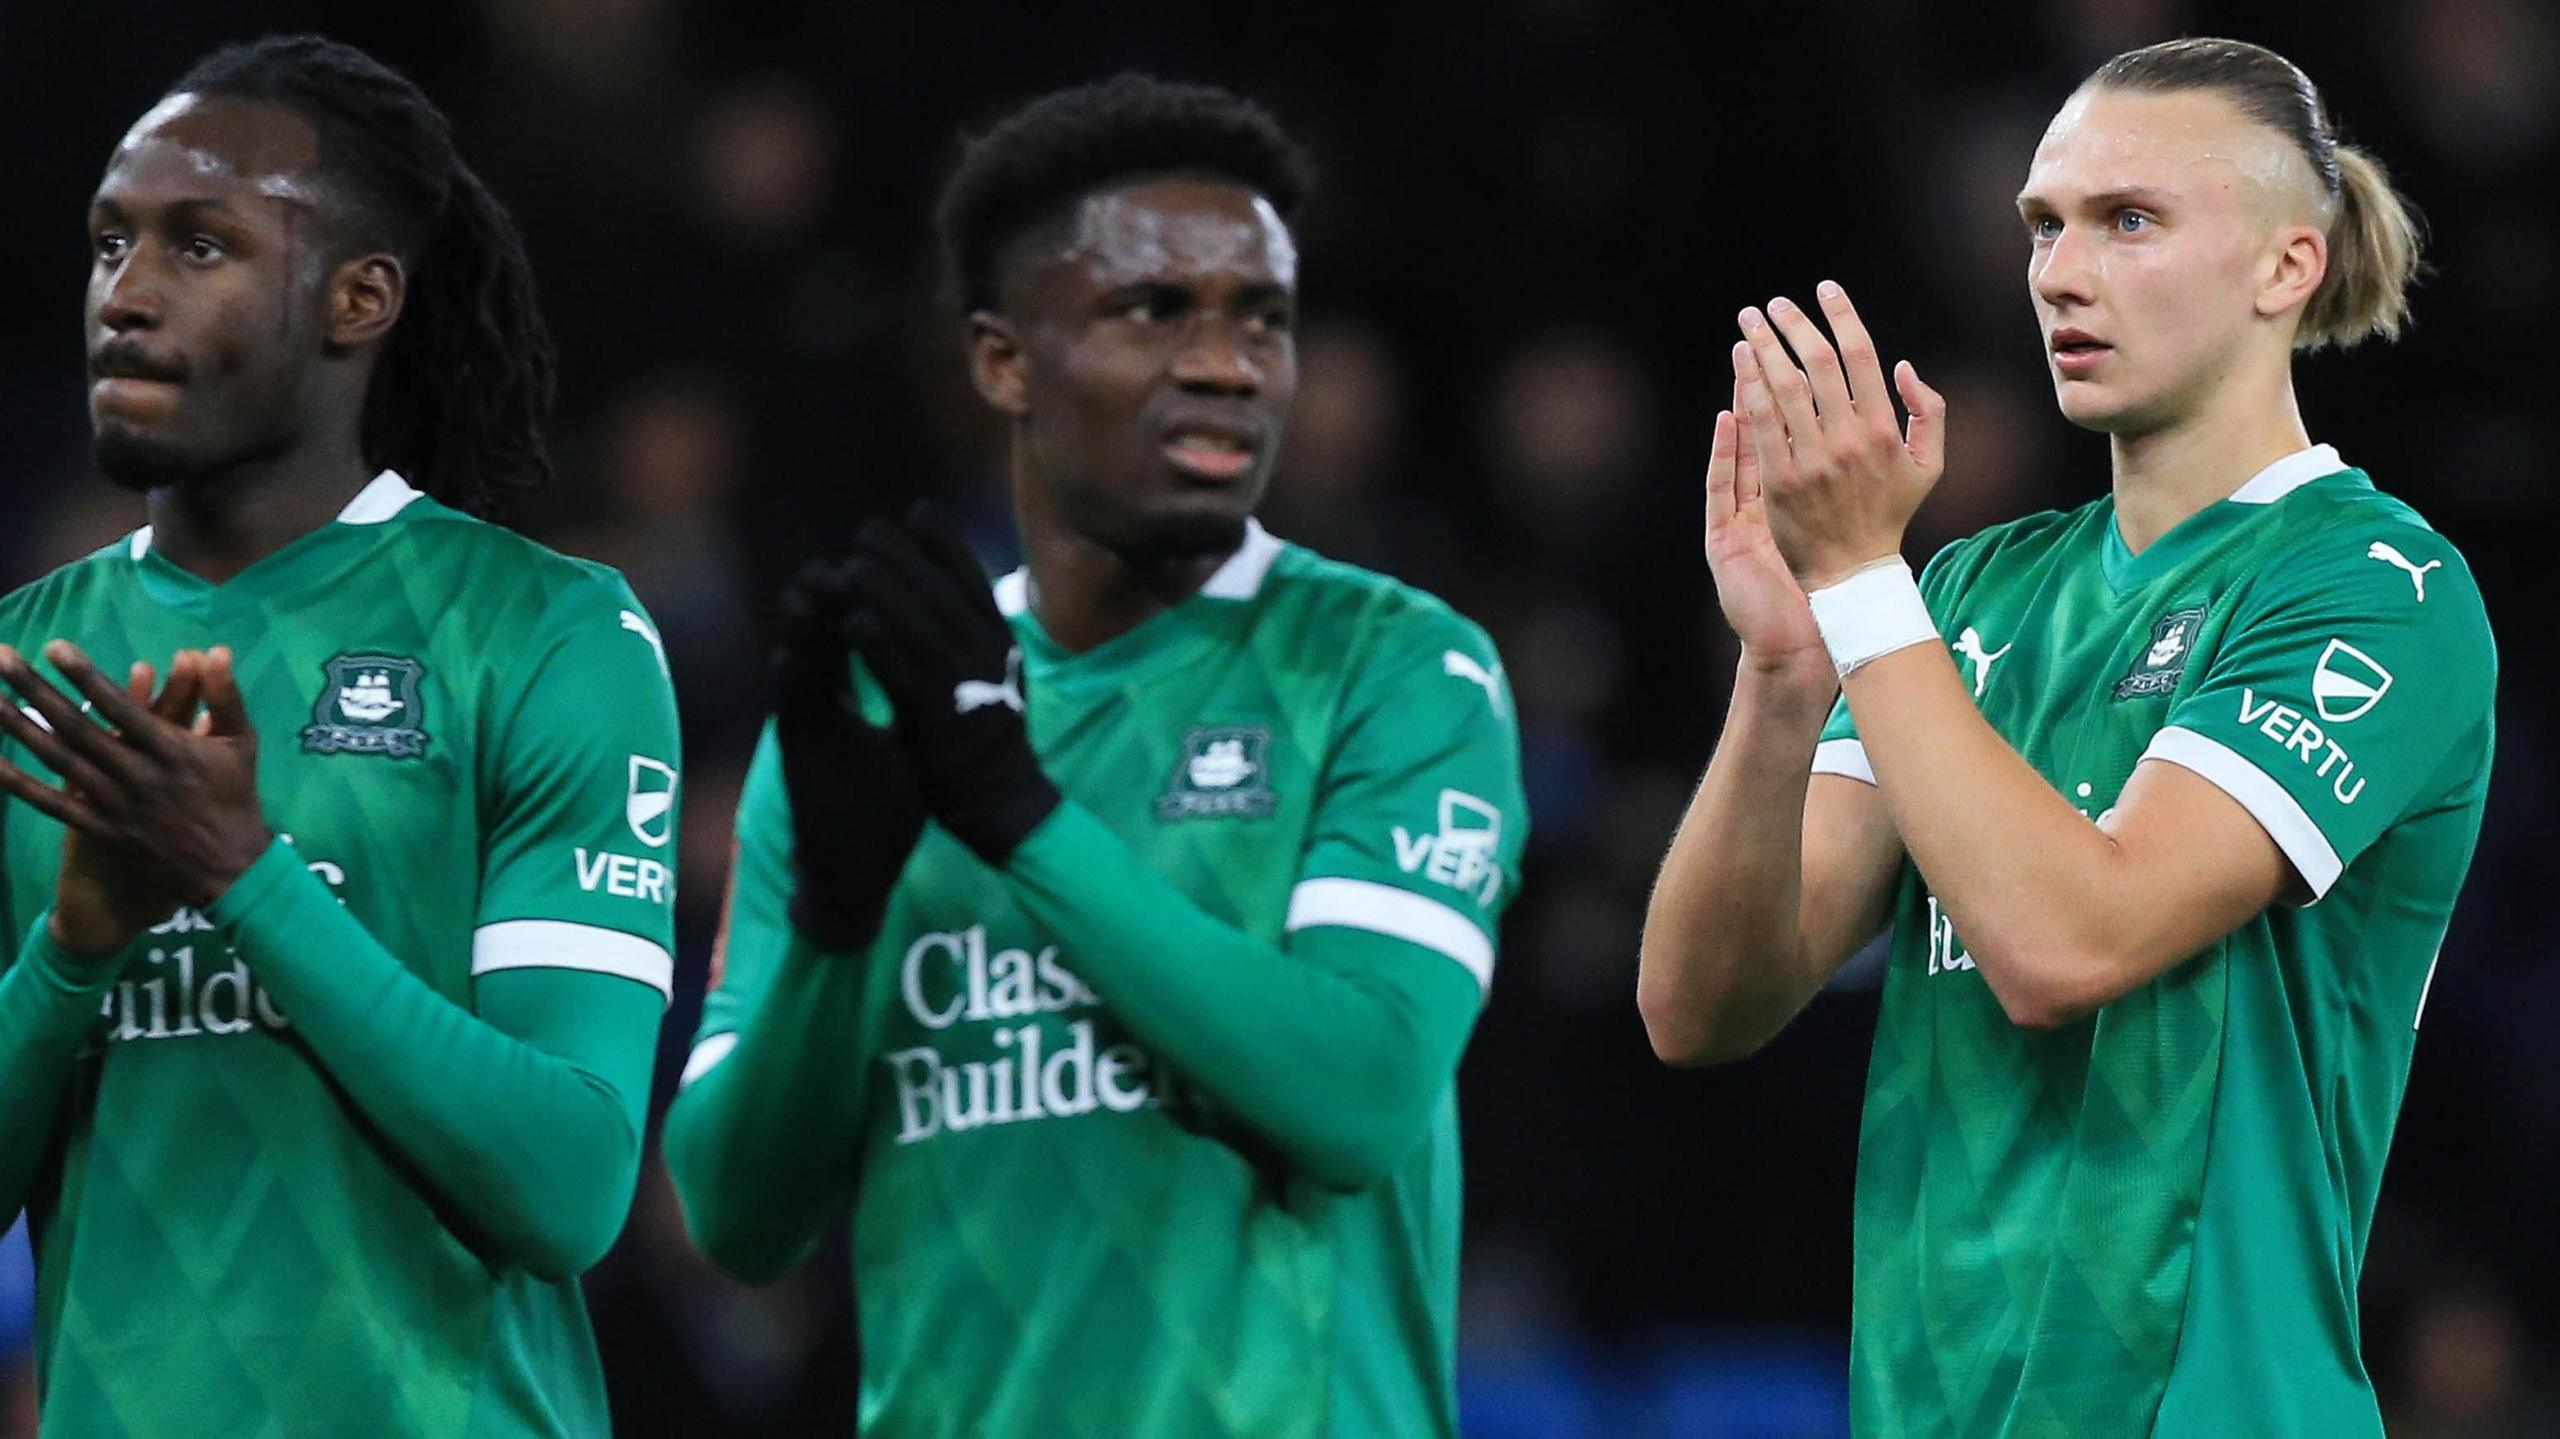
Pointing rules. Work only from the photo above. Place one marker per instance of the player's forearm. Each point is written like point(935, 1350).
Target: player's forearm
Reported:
point(1335, 1067)
point(46, 1009)
point(2048, 904)
point(762, 1144)
point(1721, 968)
point(539, 1154)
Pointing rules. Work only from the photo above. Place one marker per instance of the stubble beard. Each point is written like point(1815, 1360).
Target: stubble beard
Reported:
point(1176, 539)
point(137, 463)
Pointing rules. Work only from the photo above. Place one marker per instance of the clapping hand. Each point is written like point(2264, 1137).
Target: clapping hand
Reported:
point(160, 801)
point(1840, 475)
point(854, 813)
point(926, 623)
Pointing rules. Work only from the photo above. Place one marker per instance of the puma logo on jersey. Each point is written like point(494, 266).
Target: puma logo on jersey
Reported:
point(2380, 550)
point(632, 621)
point(971, 695)
point(1969, 645)
point(1463, 666)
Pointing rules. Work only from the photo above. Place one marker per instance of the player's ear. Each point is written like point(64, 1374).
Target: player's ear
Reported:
point(365, 296)
point(2298, 260)
point(996, 361)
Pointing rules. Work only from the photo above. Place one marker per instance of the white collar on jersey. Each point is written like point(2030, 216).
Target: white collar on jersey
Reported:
point(1240, 578)
point(2288, 475)
point(387, 495)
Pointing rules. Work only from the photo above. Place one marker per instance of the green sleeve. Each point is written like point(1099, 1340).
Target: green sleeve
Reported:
point(45, 1014)
point(1332, 1050)
point(523, 1118)
point(1334, 1045)
point(2345, 695)
point(762, 1139)
point(581, 785)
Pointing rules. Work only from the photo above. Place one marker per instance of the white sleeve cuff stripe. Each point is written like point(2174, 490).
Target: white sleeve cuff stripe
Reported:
point(557, 944)
point(1395, 913)
point(706, 1057)
point(1847, 757)
point(2269, 803)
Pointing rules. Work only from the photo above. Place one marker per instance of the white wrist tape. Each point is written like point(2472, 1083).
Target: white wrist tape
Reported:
point(1874, 612)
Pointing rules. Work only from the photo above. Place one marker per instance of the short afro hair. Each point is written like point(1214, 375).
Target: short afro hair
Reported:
point(1065, 145)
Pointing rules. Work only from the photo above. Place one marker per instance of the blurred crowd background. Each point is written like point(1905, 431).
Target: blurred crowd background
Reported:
point(1537, 220)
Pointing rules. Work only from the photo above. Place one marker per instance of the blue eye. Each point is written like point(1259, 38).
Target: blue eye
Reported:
point(2047, 228)
point(2130, 221)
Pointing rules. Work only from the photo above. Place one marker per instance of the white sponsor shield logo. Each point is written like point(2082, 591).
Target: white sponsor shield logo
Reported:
point(652, 805)
point(1470, 828)
point(1464, 855)
point(2347, 682)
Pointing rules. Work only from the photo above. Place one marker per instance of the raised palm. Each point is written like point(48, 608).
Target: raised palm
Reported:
point(1754, 585)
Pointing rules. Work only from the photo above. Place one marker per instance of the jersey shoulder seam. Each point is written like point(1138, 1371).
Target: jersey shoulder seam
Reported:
point(2024, 526)
point(1382, 599)
point(1951, 572)
point(2364, 509)
point(545, 581)
point(521, 546)
point(34, 592)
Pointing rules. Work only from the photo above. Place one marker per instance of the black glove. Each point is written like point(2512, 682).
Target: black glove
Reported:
point(854, 812)
point(926, 622)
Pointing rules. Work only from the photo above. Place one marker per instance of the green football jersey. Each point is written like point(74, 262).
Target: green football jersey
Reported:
point(2153, 1221)
point(1053, 1234)
point(473, 742)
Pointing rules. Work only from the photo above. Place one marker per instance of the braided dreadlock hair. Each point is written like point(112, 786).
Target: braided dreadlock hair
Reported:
point(466, 379)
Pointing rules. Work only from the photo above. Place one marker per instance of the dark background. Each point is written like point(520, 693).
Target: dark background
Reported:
point(1537, 221)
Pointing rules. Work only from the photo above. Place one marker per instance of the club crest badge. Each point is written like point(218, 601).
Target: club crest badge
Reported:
point(2157, 670)
point(369, 704)
point(1224, 773)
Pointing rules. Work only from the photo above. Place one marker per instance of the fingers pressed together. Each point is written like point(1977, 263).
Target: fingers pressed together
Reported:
point(1803, 396)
